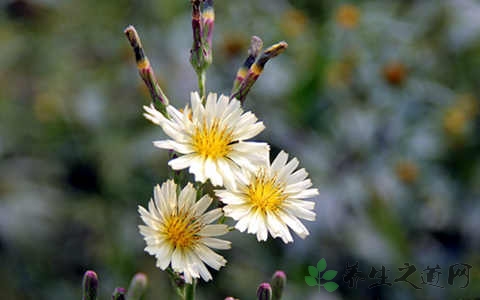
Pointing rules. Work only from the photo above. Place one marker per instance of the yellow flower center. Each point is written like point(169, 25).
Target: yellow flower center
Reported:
point(265, 194)
point(212, 141)
point(181, 232)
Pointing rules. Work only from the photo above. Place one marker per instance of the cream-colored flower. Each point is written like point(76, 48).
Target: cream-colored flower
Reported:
point(178, 231)
point(269, 200)
point(211, 138)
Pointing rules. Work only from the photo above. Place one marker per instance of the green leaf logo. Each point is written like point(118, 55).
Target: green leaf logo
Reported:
point(329, 275)
point(311, 281)
point(330, 286)
point(312, 271)
point(316, 278)
point(321, 265)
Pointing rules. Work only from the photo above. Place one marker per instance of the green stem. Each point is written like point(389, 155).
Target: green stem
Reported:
point(177, 282)
point(190, 290)
point(201, 84)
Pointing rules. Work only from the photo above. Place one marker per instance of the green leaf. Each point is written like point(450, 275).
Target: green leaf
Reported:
point(311, 281)
point(330, 286)
point(312, 271)
point(321, 265)
point(329, 275)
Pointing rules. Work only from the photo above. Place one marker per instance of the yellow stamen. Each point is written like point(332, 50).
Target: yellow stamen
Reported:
point(181, 231)
point(211, 141)
point(265, 193)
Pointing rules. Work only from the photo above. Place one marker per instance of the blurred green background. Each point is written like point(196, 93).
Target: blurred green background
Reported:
point(378, 100)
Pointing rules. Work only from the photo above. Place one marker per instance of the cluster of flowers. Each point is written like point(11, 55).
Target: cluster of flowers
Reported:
point(210, 139)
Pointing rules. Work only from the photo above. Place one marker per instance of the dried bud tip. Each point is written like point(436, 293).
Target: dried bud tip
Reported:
point(256, 45)
point(132, 35)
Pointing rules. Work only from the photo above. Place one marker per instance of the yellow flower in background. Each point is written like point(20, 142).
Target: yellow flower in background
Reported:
point(178, 231)
point(269, 200)
point(457, 118)
point(348, 16)
point(340, 73)
point(211, 138)
point(294, 22)
point(407, 171)
point(455, 121)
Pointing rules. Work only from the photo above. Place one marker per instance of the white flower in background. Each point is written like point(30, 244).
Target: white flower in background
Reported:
point(178, 233)
point(211, 138)
point(269, 200)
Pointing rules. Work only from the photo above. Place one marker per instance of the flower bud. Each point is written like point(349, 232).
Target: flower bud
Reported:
point(137, 287)
point(90, 285)
point(264, 292)
point(145, 69)
point(279, 280)
point(256, 70)
point(256, 45)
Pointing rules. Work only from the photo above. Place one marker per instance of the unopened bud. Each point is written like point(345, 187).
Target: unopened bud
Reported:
point(145, 69)
point(256, 45)
point(256, 69)
point(137, 287)
point(208, 16)
point(264, 292)
point(90, 285)
point(279, 280)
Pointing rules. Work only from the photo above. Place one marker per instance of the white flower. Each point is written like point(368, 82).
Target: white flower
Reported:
point(178, 233)
point(270, 200)
point(211, 138)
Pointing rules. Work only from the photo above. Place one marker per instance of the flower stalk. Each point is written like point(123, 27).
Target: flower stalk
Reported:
point(185, 291)
point(178, 282)
point(190, 290)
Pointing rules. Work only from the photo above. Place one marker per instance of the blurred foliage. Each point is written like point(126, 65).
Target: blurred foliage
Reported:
point(378, 100)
